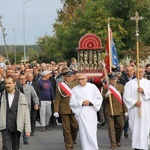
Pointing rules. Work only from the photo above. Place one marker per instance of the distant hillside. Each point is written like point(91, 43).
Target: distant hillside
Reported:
point(19, 48)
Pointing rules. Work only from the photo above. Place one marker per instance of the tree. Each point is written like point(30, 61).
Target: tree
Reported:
point(79, 17)
point(32, 54)
point(125, 9)
point(76, 20)
point(144, 52)
point(49, 49)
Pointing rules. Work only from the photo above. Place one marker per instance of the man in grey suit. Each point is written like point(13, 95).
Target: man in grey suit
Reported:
point(33, 110)
point(30, 94)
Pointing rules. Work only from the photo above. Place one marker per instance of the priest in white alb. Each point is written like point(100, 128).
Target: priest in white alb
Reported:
point(85, 101)
point(139, 124)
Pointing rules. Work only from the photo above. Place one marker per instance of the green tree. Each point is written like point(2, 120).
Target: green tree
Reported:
point(49, 49)
point(78, 17)
point(32, 54)
point(76, 20)
point(125, 9)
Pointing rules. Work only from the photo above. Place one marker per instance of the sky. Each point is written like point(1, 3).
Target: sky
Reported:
point(39, 17)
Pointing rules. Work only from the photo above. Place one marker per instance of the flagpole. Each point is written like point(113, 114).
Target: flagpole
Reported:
point(109, 46)
point(137, 19)
point(110, 98)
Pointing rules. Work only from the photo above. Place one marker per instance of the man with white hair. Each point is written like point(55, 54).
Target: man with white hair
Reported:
point(138, 98)
point(85, 101)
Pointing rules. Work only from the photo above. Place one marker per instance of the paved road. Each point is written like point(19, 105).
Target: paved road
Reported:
point(53, 140)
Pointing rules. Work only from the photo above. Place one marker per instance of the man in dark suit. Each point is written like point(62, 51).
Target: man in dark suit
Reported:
point(2, 84)
point(33, 111)
point(127, 76)
point(52, 118)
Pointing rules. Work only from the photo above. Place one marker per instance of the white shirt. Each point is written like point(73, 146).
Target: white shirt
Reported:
point(30, 83)
point(10, 98)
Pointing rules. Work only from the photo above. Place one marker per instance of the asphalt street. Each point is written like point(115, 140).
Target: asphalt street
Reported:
point(53, 140)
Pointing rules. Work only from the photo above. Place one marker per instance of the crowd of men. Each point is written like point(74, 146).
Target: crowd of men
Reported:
point(43, 92)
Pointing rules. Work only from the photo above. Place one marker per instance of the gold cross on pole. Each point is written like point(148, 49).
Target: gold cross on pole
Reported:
point(137, 18)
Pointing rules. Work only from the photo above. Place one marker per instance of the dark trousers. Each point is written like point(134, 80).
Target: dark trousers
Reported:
point(33, 114)
point(25, 138)
point(126, 124)
point(38, 115)
point(70, 129)
point(52, 118)
point(11, 140)
point(33, 124)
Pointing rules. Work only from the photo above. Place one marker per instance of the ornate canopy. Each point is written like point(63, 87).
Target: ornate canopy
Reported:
point(90, 41)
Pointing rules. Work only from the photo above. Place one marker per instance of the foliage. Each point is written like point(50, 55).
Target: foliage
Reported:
point(19, 52)
point(76, 20)
point(79, 17)
point(144, 52)
point(125, 9)
point(49, 50)
point(32, 54)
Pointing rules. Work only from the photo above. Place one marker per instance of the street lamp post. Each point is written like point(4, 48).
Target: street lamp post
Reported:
point(24, 30)
point(14, 46)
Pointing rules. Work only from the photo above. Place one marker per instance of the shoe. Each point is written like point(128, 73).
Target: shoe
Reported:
point(103, 124)
point(113, 147)
point(32, 134)
point(47, 127)
point(74, 142)
point(69, 149)
point(119, 144)
point(43, 129)
point(26, 142)
point(126, 135)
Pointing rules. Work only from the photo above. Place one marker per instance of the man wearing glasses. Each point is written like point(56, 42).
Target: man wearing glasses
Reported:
point(85, 101)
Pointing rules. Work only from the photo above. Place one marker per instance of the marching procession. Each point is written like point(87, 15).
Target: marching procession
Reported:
point(49, 92)
point(87, 95)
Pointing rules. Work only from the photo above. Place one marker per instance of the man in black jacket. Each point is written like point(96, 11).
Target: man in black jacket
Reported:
point(2, 84)
point(129, 75)
point(147, 72)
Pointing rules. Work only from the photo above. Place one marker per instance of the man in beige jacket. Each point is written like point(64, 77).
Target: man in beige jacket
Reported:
point(14, 115)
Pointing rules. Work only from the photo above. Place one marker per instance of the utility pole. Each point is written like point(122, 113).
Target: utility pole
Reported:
point(4, 35)
point(14, 46)
point(24, 37)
